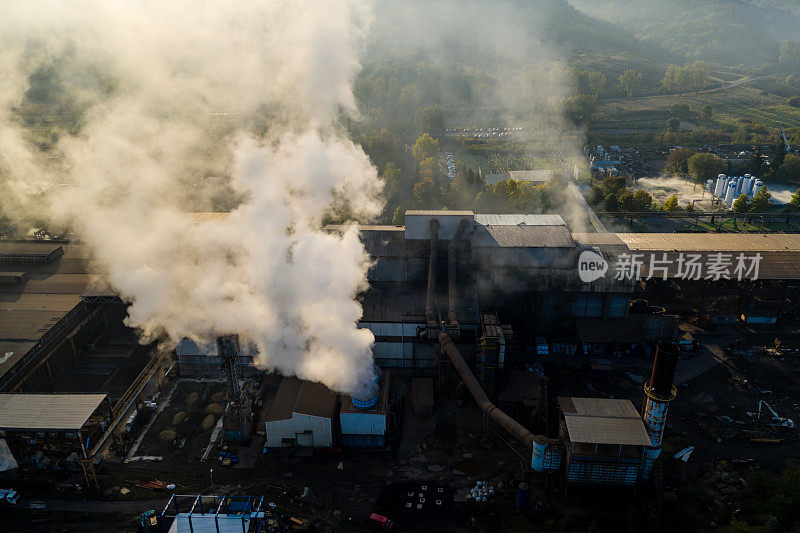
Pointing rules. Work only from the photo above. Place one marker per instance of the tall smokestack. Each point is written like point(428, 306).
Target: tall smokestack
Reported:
point(430, 300)
point(452, 281)
point(659, 392)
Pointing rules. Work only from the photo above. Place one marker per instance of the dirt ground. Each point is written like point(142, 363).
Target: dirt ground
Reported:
point(187, 409)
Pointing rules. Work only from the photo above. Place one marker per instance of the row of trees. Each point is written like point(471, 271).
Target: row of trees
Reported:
point(690, 77)
point(612, 194)
point(784, 168)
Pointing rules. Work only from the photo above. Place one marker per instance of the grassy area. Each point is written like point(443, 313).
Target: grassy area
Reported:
point(733, 106)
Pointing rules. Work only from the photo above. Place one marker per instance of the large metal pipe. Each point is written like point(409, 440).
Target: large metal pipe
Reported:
point(664, 366)
point(452, 281)
point(430, 300)
point(494, 412)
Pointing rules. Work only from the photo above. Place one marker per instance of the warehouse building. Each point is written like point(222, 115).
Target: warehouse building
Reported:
point(302, 414)
point(63, 431)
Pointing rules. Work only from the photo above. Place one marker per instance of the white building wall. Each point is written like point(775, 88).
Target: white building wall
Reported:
point(321, 428)
point(363, 423)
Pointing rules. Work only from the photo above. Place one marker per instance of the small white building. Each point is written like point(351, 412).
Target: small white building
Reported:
point(301, 414)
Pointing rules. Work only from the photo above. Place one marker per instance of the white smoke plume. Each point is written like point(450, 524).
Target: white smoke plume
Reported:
point(198, 100)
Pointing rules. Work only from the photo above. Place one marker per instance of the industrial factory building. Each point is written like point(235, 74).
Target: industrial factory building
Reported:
point(66, 356)
point(301, 414)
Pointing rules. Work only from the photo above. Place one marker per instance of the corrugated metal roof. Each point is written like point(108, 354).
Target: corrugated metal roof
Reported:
point(11, 352)
point(438, 212)
point(614, 407)
point(599, 430)
point(315, 399)
point(43, 412)
point(513, 219)
point(712, 242)
point(305, 397)
point(285, 398)
point(523, 236)
point(603, 421)
point(531, 175)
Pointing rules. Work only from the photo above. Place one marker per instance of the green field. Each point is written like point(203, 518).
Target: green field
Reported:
point(732, 106)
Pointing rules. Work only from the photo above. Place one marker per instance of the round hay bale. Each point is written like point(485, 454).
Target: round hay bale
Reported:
point(168, 435)
point(191, 398)
point(214, 409)
point(179, 417)
point(207, 423)
point(217, 397)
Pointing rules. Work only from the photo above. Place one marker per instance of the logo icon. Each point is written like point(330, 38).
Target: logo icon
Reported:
point(591, 266)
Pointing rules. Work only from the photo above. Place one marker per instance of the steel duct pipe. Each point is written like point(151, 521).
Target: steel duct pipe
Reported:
point(430, 300)
point(494, 412)
point(452, 281)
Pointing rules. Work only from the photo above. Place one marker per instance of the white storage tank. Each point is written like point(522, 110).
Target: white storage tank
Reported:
point(730, 195)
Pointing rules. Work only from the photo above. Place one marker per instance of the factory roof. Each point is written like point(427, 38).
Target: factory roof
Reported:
point(21, 252)
point(303, 397)
point(47, 412)
point(438, 213)
point(603, 421)
point(44, 283)
point(712, 242)
point(522, 236)
point(519, 219)
point(11, 353)
point(315, 399)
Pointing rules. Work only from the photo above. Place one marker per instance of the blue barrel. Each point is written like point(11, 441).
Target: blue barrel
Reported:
point(523, 496)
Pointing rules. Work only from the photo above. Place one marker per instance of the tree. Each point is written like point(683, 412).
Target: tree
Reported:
point(673, 124)
point(794, 101)
point(642, 200)
point(399, 216)
point(429, 168)
point(760, 203)
point(705, 166)
point(430, 119)
point(741, 204)
point(794, 203)
point(707, 112)
point(626, 201)
point(671, 204)
point(629, 81)
point(789, 171)
point(790, 52)
point(677, 161)
point(580, 108)
point(392, 183)
point(610, 203)
point(425, 147)
point(427, 193)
